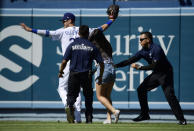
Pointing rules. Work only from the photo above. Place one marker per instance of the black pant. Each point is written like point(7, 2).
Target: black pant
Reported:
point(77, 80)
point(165, 79)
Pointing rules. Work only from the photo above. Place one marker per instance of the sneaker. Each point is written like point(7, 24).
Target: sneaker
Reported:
point(89, 119)
point(107, 122)
point(182, 122)
point(78, 122)
point(142, 117)
point(117, 113)
point(70, 114)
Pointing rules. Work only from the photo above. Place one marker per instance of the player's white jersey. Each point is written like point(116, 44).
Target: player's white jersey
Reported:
point(66, 36)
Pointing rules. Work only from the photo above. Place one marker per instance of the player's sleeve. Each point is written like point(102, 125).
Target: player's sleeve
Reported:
point(102, 27)
point(56, 35)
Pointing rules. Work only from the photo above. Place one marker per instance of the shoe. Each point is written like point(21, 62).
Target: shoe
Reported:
point(117, 113)
point(142, 117)
point(107, 122)
point(89, 119)
point(182, 122)
point(78, 122)
point(70, 114)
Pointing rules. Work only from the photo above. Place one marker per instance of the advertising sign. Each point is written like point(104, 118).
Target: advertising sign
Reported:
point(29, 63)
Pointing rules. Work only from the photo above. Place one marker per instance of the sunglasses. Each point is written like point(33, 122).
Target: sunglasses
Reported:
point(65, 20)
point(142, 39)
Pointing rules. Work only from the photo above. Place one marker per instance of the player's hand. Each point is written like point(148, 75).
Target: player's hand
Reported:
point(25, 27)
point(136, 66)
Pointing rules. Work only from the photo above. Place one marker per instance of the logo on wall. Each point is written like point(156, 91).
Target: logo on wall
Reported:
point(12, 51)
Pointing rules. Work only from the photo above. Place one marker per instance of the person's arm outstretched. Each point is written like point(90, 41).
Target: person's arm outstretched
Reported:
point(126, 62)
point(112, 12)
point(37, 31)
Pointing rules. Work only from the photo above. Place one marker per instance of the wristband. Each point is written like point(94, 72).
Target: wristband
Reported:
point(34, 31)
point(47, 32)
point(109, 22)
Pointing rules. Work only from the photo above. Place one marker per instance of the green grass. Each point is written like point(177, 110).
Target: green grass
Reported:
point(63, 126)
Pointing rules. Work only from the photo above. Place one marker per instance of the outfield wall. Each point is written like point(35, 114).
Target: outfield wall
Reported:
point(29, 63)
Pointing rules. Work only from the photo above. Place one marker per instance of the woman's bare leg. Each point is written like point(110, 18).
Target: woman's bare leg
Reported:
point(101, 93)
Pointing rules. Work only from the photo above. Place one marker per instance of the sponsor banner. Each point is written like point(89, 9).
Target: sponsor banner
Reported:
point(30, 63)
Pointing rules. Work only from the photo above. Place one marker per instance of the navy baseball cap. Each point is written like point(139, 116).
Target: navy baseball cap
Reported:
point(68, 16)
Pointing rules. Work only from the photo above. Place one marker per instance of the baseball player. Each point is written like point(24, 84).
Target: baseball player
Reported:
point(66, 35)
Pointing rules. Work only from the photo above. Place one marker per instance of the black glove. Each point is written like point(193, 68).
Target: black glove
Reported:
point(113, 11)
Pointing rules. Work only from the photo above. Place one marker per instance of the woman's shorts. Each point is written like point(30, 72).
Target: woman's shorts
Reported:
point(109, 73)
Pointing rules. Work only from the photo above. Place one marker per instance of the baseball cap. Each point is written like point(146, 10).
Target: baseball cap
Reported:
point(68, 16)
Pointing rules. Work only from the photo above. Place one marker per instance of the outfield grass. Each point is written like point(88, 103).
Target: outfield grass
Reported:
point(63, 126)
